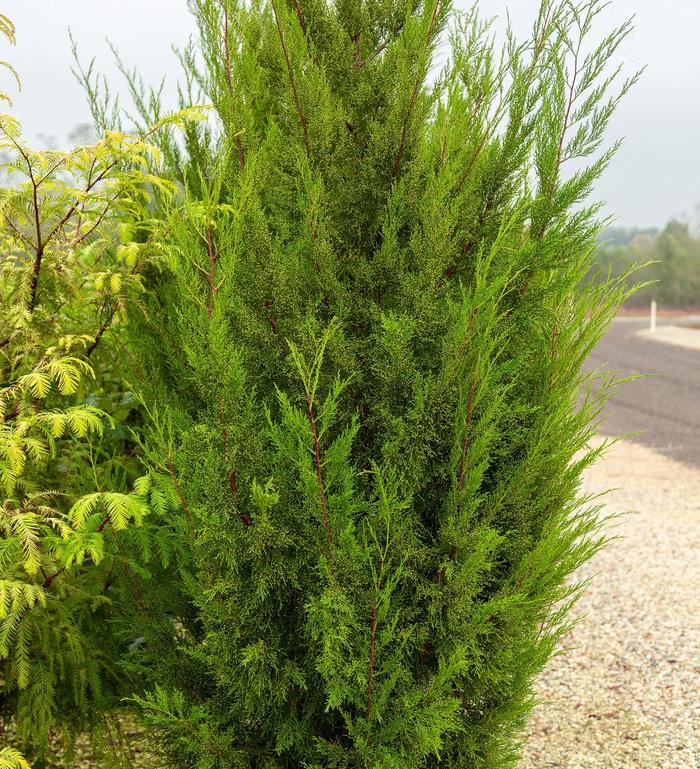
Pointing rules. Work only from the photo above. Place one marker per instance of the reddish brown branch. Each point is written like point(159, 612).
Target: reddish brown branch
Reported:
point(467, 248)
point(319, 478)
point(42, 243)
point(560, 145)
point(567, 116)
point(412, 100)
point(553, 346)
point(462, 468)
point(267, 304)
point(520, 581)
point(81, 236)
point(39, 244)
point(99, 335)
point(465, 440)
point(239, 150)
point(404, 132)
point(229, 80)
point(75, 207)
point(373, 638)
point(300, 17)
point(49, 580)
point(19, 234)
point(210, 274)
point(292, 81)
point(552, 354)
point(233, 485)
point(382, 46)
point(34, 282)
point(370, 674)
point(102, 525)
point(475, 155)
point(356, 49)
point(227, 50)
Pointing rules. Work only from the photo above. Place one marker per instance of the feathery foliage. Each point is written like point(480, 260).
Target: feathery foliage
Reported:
point(365, 341)
point(12, 759)
point(73, 532)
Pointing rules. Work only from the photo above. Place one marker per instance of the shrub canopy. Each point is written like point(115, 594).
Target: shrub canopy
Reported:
point(359, 355)
point(365, 346)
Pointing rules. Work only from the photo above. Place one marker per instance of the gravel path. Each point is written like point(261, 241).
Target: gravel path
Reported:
point(627, 695)
point(681, 336)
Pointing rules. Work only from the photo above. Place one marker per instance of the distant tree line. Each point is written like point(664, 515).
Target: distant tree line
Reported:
point(671, 259)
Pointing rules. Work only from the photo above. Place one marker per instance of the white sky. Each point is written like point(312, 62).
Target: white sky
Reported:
point(655, 176)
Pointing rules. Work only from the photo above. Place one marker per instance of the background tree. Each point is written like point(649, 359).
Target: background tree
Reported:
point(671, 261)
point(363, 352)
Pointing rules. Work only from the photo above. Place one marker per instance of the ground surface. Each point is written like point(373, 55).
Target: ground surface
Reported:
point(665, 406)
point(679, 336)
point(627, 695)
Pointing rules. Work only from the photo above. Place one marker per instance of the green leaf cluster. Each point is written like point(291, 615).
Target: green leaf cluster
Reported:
point(77, 522)
point(335, 518)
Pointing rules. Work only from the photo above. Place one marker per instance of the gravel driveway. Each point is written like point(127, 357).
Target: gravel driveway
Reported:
point(628, 693)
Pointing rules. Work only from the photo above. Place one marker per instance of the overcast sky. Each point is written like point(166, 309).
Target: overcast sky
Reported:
point(655, 176)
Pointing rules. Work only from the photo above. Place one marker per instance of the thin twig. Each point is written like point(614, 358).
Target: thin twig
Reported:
point(183, 501)
point(412, 99)
point(300, 17)
point(382, 46)
point(210, 274)
point(370, 674)
point(229, 81)
point(99, 335)
point(292, 81)
point(319, 477)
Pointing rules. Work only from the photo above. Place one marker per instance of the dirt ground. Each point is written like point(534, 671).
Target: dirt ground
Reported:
point(627, 694)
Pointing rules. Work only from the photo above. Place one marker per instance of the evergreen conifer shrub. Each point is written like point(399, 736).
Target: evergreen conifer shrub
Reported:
point(363, 357)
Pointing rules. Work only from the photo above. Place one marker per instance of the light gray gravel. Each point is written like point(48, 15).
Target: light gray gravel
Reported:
point(627, 695)
point(680, 336)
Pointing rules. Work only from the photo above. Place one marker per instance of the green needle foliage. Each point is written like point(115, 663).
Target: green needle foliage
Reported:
point(364, 349)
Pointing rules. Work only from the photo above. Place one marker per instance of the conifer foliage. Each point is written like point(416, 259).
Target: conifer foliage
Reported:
point(364, 350)
point(365, 343)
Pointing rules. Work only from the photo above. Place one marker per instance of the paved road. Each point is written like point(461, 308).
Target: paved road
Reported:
point(665, 406)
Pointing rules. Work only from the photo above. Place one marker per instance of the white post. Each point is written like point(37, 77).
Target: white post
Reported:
point(652, 317)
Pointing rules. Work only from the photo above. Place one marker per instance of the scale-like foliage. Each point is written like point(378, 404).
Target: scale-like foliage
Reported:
point(364, 351)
